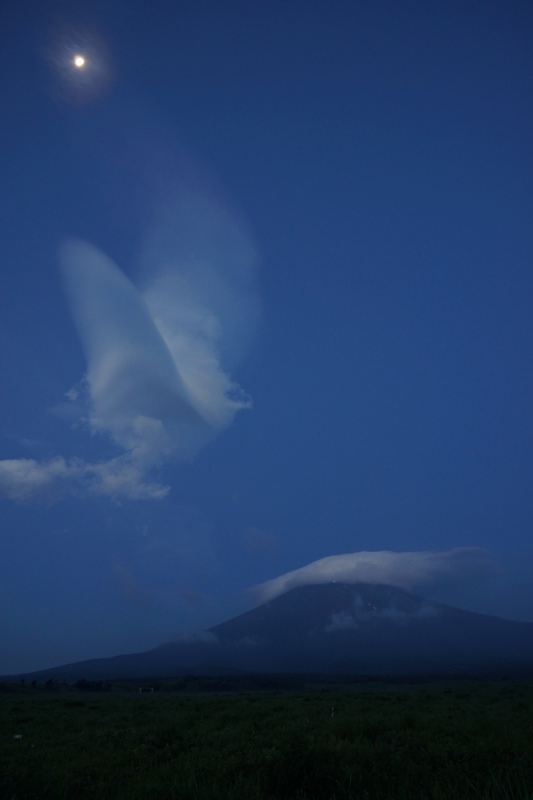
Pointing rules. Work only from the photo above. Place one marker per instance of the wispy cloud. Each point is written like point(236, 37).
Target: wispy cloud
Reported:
point(25, 479)
point(405, 570)
point(156, 383)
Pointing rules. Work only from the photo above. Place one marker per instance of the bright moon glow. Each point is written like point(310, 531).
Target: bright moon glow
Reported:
point(79, 61)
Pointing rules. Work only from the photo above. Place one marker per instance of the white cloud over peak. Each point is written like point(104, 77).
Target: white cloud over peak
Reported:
point(406, 570)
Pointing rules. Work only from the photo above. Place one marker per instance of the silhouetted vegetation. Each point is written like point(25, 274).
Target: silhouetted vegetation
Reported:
point(91, 686)
point(192, 739)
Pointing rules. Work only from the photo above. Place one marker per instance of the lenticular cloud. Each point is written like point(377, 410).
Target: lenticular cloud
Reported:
point(156, 382)
point(405, 570)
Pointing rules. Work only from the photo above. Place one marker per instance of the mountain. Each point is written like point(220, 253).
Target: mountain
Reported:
point(332, 628)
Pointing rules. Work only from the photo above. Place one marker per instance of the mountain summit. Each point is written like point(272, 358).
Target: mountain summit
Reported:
point(343, 628)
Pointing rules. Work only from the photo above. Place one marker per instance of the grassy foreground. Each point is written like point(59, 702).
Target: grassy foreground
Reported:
point(461, 742)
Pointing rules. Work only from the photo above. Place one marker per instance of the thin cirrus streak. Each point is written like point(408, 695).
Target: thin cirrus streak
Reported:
point(155, 383)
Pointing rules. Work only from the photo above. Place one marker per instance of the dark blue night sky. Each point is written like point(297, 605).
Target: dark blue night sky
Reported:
point(266, 299)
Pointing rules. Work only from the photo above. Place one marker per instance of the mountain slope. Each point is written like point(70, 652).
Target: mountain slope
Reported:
point(329, 628)
point(308, 611)
point(339, 626)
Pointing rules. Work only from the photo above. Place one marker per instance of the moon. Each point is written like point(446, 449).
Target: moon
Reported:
point(79, 61)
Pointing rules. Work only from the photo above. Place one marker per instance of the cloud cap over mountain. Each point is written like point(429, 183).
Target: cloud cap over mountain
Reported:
point(405, 570)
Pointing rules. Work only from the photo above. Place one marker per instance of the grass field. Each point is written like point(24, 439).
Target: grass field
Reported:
point(457, 741)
